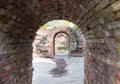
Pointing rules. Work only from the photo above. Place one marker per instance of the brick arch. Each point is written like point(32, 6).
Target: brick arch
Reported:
point(50, 34)
point(98, 20)
point(55, 37)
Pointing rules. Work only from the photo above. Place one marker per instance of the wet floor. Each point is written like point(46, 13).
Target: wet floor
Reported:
point(58, 71)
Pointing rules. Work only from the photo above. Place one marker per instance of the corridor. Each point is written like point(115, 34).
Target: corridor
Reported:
point(96, 37)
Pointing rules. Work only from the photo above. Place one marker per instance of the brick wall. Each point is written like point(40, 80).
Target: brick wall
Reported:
point(44, 42)
point(98, 20)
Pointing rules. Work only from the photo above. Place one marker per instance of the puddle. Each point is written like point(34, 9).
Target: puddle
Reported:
point(60, 70)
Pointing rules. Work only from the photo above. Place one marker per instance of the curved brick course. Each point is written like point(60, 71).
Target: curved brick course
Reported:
point(98, 20)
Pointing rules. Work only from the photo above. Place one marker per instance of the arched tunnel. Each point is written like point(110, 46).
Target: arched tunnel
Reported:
point(97, 19)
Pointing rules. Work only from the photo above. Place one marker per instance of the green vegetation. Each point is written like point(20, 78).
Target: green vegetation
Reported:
point(85, 81)
point(62, 47)
point(56, 23)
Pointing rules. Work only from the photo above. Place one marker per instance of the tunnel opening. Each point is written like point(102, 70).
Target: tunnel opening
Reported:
point(62, 41)
point(44, 43)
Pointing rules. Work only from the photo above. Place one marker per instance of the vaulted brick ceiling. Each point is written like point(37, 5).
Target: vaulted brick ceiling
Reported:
point(98, 20)
point(45, 10)
point(41, 11)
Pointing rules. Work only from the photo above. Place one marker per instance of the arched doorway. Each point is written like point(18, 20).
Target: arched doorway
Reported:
point(61, 44)
point(61, 66)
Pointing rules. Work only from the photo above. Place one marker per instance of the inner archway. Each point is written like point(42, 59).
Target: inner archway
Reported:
point(61, 44)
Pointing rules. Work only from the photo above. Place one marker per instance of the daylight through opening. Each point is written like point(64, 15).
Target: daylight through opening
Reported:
point(57, 48)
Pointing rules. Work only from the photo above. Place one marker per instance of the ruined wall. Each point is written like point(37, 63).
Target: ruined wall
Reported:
point(99, 23)
point(43, 44)
point(80, 48)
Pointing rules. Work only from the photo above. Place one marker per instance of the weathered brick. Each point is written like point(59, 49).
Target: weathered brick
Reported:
point(98, 20)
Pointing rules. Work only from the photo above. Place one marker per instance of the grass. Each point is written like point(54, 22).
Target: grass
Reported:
point(62, 48)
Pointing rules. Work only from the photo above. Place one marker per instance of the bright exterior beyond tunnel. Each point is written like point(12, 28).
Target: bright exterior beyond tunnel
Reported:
point(58, 51)
point(96, 38)
point(50, 39)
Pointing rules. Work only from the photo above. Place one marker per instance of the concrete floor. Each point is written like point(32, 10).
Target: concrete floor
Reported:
point(58, 71)
point(62, 52)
